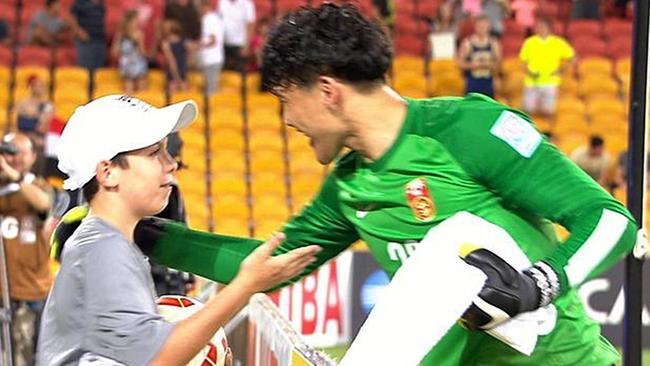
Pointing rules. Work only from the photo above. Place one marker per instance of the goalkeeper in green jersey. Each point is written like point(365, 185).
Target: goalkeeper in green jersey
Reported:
point(413, 164)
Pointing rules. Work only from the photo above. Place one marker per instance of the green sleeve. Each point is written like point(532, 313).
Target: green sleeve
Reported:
point(218, 257)
point(547, 184)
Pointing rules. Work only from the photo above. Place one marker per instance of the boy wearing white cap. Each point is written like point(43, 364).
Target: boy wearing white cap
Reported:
point(101, 310)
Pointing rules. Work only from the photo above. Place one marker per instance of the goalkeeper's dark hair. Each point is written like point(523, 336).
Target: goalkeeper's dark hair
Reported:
point(91, 188)
point(332, 40)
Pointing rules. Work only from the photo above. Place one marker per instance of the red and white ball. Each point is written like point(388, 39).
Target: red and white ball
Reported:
point(176, 308)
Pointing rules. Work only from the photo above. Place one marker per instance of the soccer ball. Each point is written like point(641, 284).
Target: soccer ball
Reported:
point(175, 308)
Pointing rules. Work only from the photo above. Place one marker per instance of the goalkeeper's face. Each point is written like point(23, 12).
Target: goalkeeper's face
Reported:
point(315, 111)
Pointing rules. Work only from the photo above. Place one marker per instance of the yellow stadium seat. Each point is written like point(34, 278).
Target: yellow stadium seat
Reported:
point(65, 109)
point(607, 106)
point(270, 206)
point(107, 88)
point(69, 95)
point(570, 105)
point(107, 75)
point(623, 67)
point(269, 163)
point(511, 65)
point(542, 123)
point(5, 75)
point(513, 85)
point(221, 99)
point(227, 139)
point(266, 140)
point(229, 184)
point(590, 87)
point(156, 80)
point(566, 124)
point(264, 120)
point(195, 81)
point(568, 87)
point(266, 227)
point(570, 141)
point(235, 227)
point(253, 82)
point(225, 119)
point(4, 118)
point(154, 97)
point(228, 160)
point(301, 186)
point(594, 66)
point(230, 205)
point(609, 124)
point(438, 67)
point(231, 81)
point(71, 77)
point(450, 83)
point(410, 63)
point(197, 97)
point(191, 181)
point(263, 101)
point(23, 73)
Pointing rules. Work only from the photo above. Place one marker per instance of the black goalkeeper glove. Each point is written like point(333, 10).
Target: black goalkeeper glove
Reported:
point(507, 292)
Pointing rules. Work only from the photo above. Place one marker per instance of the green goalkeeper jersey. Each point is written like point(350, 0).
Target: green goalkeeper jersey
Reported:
point(458, 154)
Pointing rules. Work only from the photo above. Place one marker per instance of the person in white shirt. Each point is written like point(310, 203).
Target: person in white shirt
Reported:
point(239, 18)
point(211, 52)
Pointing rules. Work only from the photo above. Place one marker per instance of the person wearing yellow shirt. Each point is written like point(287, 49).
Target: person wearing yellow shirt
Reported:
point(545, 56)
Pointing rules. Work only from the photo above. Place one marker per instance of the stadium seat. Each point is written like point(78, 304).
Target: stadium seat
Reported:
point(235, 227)
point(606, 106)
point(154, 97)
point(221, 99)
point(594, 66)
point(228, 183)
point(227, 139)
point(266, 142)
point(34, 56)
point(409, 64)
point(580, 27)
point(5, 56)
point(156, 80)
point(438, 67)
point(225, 118)
point(619, 47)
point(269, 163)
point(65, 109)
point(196, 96)
point(591, 87)
point(513, 84)
point(623, 68)
point(570, 105)
point(589, 46)
point(568, 87)
point(511, 45)
point(617, 27)
point(409, 45)
point(448, 84)
point(231, 81)
point(107, 75)
point(65, 56)
point(23, 73)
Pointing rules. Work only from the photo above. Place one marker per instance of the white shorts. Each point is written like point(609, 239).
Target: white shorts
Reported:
point(91, 359)
point(539, 99)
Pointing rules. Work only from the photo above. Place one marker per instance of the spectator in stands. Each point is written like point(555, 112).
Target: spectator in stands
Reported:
point(128, 47)
point(175, 51)
point(31, 116)
point(585, 9)
point(545, 56)
point(257, 44)
point(593, 159)
point(444, 32)
point(47, 26)
point(147, 18)
point(385, 10)
point(186, 15)
point(4, 32)
point(524, 11)
point(496, 11)
point(87, 23)
point(211, 53)
point(239, 20)
point(479, 57)
point(26, 201)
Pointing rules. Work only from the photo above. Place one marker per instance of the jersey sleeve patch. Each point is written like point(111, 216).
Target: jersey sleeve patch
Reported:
point(517, 133)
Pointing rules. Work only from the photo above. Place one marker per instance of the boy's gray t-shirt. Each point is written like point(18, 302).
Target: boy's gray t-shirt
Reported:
point(102, 302)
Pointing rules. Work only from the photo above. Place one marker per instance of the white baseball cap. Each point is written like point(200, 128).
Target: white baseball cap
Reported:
point(111, 125)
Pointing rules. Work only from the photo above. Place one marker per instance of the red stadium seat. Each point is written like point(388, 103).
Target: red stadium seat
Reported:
point(583, 27)
point(428, 8)
point(618, 48)
point(66, 56)
point(5, 56)
point(615, 27)
point(513, 29)
point(589, 46)
point(510, 46)
point(8, 11)
point(35, 56)
point(409, 45)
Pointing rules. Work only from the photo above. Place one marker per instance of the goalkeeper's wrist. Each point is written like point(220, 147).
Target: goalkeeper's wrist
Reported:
point(546, 280)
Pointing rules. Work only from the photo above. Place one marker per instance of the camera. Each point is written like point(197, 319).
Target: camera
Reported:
point(7, 148)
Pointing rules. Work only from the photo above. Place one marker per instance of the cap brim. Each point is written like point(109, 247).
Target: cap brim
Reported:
point(184, 113)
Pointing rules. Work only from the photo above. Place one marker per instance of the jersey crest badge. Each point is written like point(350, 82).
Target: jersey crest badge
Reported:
point(419, 199)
